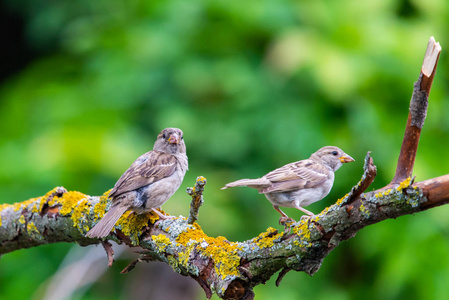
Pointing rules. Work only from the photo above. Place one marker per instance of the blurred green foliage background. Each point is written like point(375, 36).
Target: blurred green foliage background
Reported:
point(87, 85)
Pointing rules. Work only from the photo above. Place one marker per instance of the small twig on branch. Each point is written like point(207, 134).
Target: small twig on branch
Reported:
point(369, 173)
point(109, 251)
point(130, 266)
point(417, 114)
point(281, 275)
point(197, 198)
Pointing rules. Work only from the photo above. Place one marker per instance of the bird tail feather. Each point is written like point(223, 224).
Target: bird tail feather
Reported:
point(258, 183)
point(104, 227)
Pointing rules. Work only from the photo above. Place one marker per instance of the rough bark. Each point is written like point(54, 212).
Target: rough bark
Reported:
point(230, 269)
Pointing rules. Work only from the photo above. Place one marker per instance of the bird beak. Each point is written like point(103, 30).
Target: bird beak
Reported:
point(174, 139)
point(346, 158)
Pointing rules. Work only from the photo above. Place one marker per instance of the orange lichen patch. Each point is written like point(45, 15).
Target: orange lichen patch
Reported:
point(223, 253)
point(266, 239)
point(100, 207)
point(195, 233)
point(131, 224)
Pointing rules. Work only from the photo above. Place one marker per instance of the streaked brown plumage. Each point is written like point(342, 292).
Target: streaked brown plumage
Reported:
point(149, 182)
point(300, 183)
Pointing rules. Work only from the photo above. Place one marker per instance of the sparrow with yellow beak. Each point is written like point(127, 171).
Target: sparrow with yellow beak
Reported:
point(300, 183)
point(149, 182)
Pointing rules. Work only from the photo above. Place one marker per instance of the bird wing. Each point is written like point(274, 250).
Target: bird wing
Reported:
point(298, 175)
point(148, 168)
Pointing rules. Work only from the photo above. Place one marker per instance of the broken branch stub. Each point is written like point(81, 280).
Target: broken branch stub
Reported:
point(417, 113)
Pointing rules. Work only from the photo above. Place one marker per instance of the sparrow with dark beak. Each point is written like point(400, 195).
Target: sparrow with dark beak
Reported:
point(149, 182)
point(300, 183)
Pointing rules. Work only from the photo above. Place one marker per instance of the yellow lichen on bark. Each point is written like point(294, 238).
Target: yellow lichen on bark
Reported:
point(131, 224)
point(404, 184)
point(266, 239)
point(302, 230)
point(22, 219)
point(100, 207)
point(2, 207)
point(33, 232)
point(76, 205)
point(341, 200)
point(32, 204)
point(365, 212)
point(223, 253)
point(161, 241)
point(68, 201)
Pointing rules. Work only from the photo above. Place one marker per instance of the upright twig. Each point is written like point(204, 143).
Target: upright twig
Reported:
point(417, 113)
point(197, 198)
point(369, 173)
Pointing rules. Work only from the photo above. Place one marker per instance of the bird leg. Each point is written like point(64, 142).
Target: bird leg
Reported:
point(284, 219)
point(303, 210)
point(161, 216)
point(280, 211)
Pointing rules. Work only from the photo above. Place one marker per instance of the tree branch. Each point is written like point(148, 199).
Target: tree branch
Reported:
point(417, 113)
point(229, 269)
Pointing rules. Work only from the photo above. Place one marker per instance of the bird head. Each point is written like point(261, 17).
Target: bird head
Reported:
point(170, 140)
point(332, 157)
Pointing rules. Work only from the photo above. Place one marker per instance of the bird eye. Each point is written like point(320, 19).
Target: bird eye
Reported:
point(164, 136)
point(182, 137)
point(335, 153)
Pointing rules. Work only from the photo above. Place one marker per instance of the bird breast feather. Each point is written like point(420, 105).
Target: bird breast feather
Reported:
point(148, 168)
